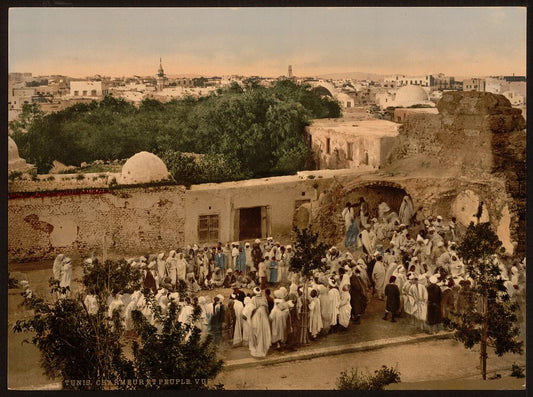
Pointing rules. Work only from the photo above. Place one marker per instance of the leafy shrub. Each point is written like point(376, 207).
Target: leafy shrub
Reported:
point(517, 371)
point(12, 282)
point(33, 174)
point(359, 381)
point(51, 178)
point(13, 175)
point(80, 177)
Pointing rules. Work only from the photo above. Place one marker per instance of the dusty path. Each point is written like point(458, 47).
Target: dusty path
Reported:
point(429, 362)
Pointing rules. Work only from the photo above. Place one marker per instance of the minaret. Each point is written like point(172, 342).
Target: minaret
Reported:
point(290, 71)
point(161, 78)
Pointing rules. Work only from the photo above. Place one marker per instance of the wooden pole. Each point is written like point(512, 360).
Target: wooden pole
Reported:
point(484, 337)
point(304, 317)
point(104, 250)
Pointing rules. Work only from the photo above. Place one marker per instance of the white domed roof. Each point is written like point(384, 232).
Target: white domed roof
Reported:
point(143, 167)
point(12, 149)
point(15, 163)
point(411, 94)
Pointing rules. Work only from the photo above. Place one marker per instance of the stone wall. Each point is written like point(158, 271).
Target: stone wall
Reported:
point(447, 197)
point(478, 137)
point(461, 135)
point(134, 221)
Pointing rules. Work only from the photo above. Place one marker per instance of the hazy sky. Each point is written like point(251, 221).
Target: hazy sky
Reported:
point(264, 41)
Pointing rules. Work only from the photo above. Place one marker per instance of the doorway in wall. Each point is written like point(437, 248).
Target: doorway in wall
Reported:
point(252, 223)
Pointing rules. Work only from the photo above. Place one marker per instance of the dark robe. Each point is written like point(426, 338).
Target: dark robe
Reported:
point(240, 294)
point(291, 329)
point(465, 300)
point(392, 292)
point(447, 303)
point(149, 282)
point(270, 302)
point(434, 315)
point(369, 270)
point(217, 319)
point(229, 322)
point(358, 298)
point(229, 280)
point(257, 254)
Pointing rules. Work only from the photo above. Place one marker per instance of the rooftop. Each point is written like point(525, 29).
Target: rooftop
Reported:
point(375, 127)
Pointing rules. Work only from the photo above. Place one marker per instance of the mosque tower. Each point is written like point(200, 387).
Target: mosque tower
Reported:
point(290, 71)
point(161, 77)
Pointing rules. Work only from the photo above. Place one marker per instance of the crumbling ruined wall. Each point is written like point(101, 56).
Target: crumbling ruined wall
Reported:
point(447, 197)
point(461, 135)
point(134, 220)
point(473, 151)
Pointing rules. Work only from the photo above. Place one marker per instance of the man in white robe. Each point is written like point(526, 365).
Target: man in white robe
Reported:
point(56, 269)
point(238, 307)
point(334, 296)
point(348, 215)
point(66, 276)
point(368, 239)
point(406, 210)
point(260, 336)
point(378, 277)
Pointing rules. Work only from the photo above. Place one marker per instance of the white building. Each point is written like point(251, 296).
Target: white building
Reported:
point(400, 80)
point(347, 143)
point(87, 89)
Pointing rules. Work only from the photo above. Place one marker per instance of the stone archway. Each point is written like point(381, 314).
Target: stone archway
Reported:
point(327, 219)
point(374, 192)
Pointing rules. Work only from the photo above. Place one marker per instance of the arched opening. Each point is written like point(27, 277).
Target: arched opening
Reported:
point(374, 194)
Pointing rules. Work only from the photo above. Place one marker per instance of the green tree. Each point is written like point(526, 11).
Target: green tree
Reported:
point(30, 112)
point(258, 131)
point(177, 352)
point(492, 322)
point(308, 255)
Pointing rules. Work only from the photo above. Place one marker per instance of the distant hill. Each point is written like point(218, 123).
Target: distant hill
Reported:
point(353, 75)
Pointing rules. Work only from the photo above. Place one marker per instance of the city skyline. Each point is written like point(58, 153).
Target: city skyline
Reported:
point(80, 42)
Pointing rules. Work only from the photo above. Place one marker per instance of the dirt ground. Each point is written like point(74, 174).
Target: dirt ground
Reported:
point(438, 364)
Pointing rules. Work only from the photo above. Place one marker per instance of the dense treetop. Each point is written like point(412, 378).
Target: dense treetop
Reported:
point(256, 131)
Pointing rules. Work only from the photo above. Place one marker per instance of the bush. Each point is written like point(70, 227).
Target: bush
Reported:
point(80, 177)
point(517, 371)
point(12, 282)
point(33, 174)
point(51, 178)
point(358, 381)
point(13, 175)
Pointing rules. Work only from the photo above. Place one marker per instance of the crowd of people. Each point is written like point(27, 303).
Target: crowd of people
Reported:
point(413, 268)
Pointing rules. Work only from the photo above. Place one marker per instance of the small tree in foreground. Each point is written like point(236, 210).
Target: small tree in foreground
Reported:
point(308, 254)
point(492, 320)
point(176, 356)
point(78, 343)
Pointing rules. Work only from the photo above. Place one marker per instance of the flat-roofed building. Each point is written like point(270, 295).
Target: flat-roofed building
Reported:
point(87, 89)
point(345, 143)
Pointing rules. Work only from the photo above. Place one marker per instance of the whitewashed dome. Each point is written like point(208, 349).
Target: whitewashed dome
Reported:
point(411, 95)
point(143, 167)
point(14, 162)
